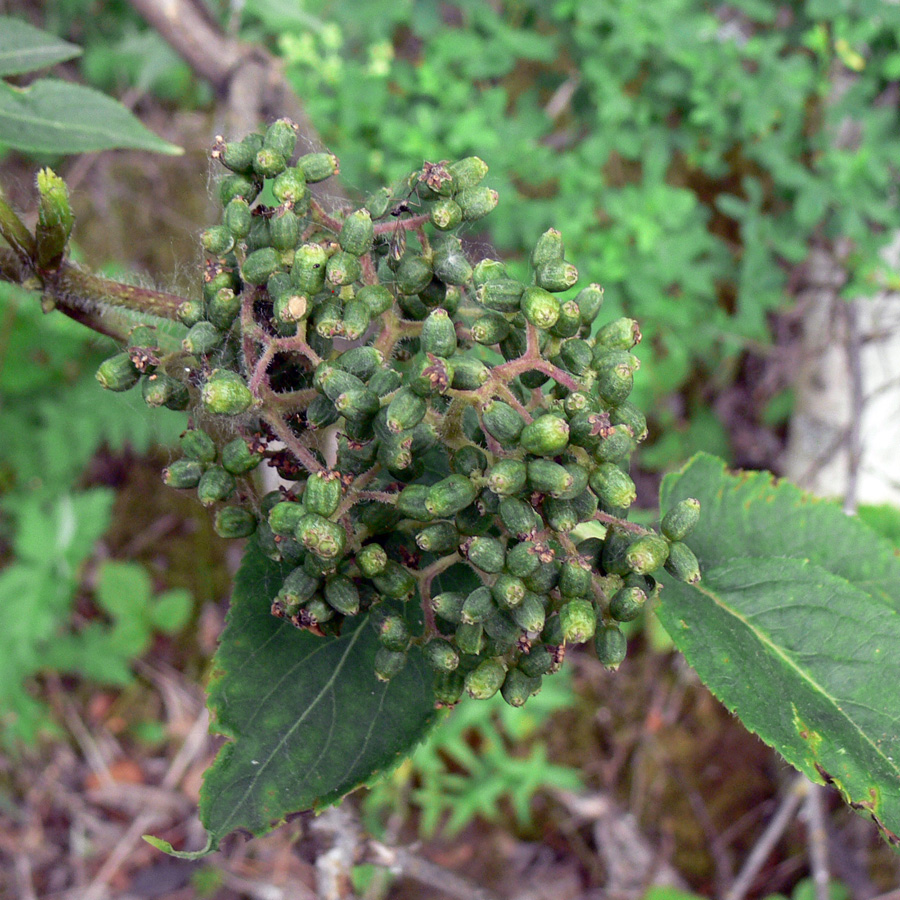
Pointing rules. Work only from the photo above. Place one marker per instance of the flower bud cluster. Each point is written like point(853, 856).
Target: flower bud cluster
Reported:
point(438, 423)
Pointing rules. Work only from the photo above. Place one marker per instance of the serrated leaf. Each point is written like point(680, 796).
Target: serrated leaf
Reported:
point(24, 48)
point(795, 626)
point(52, 116)
point(307, 719)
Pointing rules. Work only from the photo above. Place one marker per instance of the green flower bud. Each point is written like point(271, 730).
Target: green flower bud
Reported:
point(284, 517)
point(55, 219)
point(222, 310)
point(327, 319)
point(198, 445)
point(626, 604)
point(467, 173)
point(183, 474)
point(545, 578)
point(237, 218)
point(613, 486)
point(393, 632)
point(237, 155)
point(234, 522)
point(448, 605)
point(322, 494)
point(613, 557)
point(411, 502)
point(333, 381)
point(485, 680)
point(682, 563)
point(217, 240)
point(290, 189)
point(502, 629)
point(500, 295)
point(405, 411)
point(626, 413)
point(439, 538)
point(540, 307)
point(445, 214)
point(488, 270)
point(297, 589)
point(215, 485)
point(259, 265)
point(377, 298)
point(414, 274)
point(469, 373)
point(396, 456)
point(569, 322)
point(281, 136)
point(508, 591)
point(530, 614)
point(268, 163)
point(225, 394)
point(549, 477)
point(357, 233)
point(576, 356)
point(470, 639)
point(468, 460)
point(355, 457)
point(342, 595)
point(321, 413)
point(378, 202)
point(284, 229)
point(502, 422)
point(356, 319)
point(343, 268)
point(371, 560)
point(615, 374)
point(589, 301)
point(118, 373)
point(491, 328)
point(518, 517)
point(476, 202)
point(190, 312)
point(648, 553)
point(485, 553)
point(575, 578)
point(611, 646)
point(474, 520)
point(585, 504)
point(578, 621)
point(557, 275)
point(552, 634)
point(259, 236)
point(548, 248)
point(507, 477)
point(620, 334)
point(202, 339)
point(320, 536)
point(318, 166)
point(522, 559)
point(681, 519)
point(160, 389)
point(449, 496)
point(560, 514)
point(388, 663)
point(616, 445)
point(232, 186)
point(518, 687)
point(308, 270)
point(450, 263)
point(545, 436)
point(395, 582)
point(363, 362)
point(289, 309)
point(438, 334)
point(448, 688)
point(540, 660)
point(441, 655)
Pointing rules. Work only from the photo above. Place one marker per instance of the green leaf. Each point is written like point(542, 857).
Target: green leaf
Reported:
point(795, 627)
point(307, 720)
point(51, 116)
point(124, 590)
point(171, 610)
point(24, 48)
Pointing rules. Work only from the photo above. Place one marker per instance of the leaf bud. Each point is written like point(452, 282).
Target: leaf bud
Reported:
point(681, 519)
point(371, 560)
point(682, 563)
point(485, 680)
point(215, 485)
point(183, 474)
point(225, 394)
point(388, 663)
point(556, 276)
point(449, 496)
point(540, 307)
point(611, 646)
point(55, 219)
point(318, 166)
point(395, 582)
point(476, 202)
point(441, 655)
point(234, 522)
point(578, 621)
point(648, 553)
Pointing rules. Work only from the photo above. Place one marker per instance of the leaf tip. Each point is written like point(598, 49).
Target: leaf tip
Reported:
point(211, 846)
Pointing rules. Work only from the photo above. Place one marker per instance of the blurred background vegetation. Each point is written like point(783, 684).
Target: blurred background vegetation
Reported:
point(693, 154)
